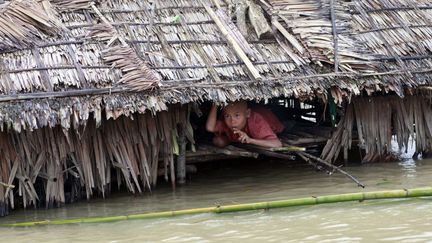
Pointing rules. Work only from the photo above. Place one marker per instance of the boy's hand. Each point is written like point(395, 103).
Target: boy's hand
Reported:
point(243, 137)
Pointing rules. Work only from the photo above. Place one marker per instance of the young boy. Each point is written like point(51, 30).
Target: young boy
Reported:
point(241, 124)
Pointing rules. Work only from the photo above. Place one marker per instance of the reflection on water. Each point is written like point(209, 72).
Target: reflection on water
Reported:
point(402, 220)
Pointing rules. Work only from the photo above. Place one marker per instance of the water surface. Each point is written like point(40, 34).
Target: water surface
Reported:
point(402, 220)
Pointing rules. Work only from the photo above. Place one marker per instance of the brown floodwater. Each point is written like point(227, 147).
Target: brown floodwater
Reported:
point(401, 220)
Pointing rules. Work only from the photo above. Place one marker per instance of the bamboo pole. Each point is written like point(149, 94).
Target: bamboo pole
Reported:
point(288, 148)
point(288, 36)
point(356, 196)
point(332, 166)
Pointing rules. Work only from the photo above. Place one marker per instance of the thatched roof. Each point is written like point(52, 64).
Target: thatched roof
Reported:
point(61, 59)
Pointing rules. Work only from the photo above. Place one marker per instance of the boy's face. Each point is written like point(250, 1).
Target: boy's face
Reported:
point(235, 115)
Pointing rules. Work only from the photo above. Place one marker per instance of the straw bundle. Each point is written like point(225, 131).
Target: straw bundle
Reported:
point(324, 35)
point(380, 119)
point(72, 5)
point(25, 23)
point(136, 74)
point(131, 147)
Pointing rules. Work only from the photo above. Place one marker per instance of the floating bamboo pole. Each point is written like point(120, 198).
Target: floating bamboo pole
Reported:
point(313, 200)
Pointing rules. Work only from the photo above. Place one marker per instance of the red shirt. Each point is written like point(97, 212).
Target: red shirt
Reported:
point(261, 124)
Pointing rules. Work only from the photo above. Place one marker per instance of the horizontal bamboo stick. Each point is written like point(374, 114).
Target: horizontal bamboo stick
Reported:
point(392, 9)
point(356, 196)
point(6, 185)
point(229, 150)
point(194, 7)
point(101, 91)
point(266, 151)
point(288, 148)
point(316, 140)
point(78, 42)
point(219, 65)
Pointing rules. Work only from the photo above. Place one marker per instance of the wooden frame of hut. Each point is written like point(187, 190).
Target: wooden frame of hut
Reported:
point(92, 87)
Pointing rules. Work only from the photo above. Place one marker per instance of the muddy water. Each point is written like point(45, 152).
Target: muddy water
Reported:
point(402, 220)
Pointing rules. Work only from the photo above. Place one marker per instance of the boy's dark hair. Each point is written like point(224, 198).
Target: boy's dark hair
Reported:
point(241, 103)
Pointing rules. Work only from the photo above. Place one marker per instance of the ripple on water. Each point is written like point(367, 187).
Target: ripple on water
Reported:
point(404, 220)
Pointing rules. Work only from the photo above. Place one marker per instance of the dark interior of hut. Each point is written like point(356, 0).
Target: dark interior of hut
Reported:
point(308, 127)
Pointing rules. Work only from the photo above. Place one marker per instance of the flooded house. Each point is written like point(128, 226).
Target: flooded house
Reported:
point(103, 94)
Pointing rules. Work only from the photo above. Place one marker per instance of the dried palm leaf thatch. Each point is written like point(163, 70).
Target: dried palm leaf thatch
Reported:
point(72, 5)
point(8, 168)
point(25, 23)
point(393, 30)
point(132, 146)
point(249, 12)
point(236, 33)
point(312, 25)
point(240, 8)
point(101, 32)
point(136, 74)
point(258, 20)
point(341, 138)
point(377, 120)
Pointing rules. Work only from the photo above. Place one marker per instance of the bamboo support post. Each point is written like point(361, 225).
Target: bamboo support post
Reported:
point(4, 209)
point(190, 169)
point(181, 158)
point(305, 201)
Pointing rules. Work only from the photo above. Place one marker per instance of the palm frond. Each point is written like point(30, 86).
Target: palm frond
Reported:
point(25, 23)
